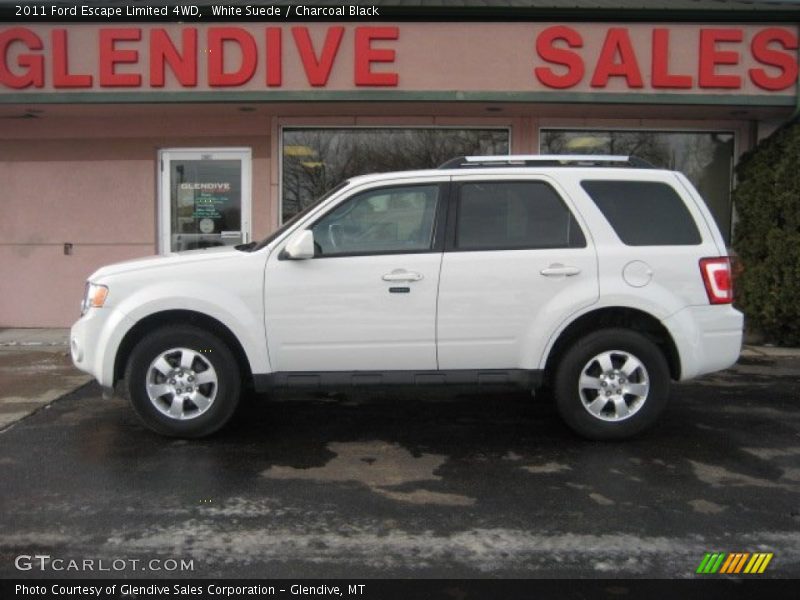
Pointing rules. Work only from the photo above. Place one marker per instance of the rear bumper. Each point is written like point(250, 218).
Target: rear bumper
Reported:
point(708, 338)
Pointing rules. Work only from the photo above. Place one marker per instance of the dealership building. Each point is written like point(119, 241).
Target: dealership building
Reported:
point(120, 139)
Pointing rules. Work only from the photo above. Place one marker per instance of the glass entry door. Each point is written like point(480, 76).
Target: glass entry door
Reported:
point(204, 198)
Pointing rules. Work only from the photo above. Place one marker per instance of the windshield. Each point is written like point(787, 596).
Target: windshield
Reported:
point(280, 230)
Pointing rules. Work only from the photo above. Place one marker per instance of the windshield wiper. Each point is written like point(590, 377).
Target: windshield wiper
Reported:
point(248, 247)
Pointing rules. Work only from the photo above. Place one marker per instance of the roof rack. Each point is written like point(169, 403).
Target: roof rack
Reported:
point(547, 160)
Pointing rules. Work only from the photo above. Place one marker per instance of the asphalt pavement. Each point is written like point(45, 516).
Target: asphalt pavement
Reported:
point(409, 483)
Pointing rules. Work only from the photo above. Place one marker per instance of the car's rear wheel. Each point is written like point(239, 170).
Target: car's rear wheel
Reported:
point(183, 381)
point(612, 384)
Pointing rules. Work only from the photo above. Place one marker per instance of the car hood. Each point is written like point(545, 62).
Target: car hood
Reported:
point(166, 260)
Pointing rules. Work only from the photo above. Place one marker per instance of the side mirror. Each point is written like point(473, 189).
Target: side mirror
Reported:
point(300, 246)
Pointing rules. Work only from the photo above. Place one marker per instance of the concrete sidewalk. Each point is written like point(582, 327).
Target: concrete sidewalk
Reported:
point(770, 351)
point(35, 369)
point(32, 338)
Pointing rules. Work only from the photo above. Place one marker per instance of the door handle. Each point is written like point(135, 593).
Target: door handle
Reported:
point(402, 275)
point(559, 270)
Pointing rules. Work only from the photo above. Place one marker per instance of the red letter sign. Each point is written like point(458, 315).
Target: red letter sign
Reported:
point(662, 78)
point(110, 56)
point(34, 75)
point(617, 40)
point(62, 78)
point(163, 52)
point(710, 57)
point(785, 62)
point(366, 55)
point(274, 53)
point(317, 70)
point(571, 60)
point(217, 76)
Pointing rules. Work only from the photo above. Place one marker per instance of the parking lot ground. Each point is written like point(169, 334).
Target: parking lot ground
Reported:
point(412, 483)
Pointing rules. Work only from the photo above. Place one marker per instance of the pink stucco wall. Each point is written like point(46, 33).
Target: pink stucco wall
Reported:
point(92, 183)
point(87, 175)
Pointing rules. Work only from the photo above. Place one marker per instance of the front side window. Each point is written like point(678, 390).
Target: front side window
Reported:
point(381, 221)
point(513, 215)
point(644, 213)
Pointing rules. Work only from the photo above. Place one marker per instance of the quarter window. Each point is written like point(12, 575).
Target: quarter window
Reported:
point(514, 215)
point(644, 213)
point(382, 221)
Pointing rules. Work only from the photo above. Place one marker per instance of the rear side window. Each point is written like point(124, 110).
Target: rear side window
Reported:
point(644, 213)
point(514, 215)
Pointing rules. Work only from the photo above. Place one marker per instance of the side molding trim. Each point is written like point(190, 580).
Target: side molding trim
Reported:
point(523, 378)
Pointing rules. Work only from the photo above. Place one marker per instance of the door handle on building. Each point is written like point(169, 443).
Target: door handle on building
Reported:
point(402, 275)
point(559, 270)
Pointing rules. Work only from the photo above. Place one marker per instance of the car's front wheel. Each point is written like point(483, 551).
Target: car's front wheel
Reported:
point(612, 384)
point(183, 381)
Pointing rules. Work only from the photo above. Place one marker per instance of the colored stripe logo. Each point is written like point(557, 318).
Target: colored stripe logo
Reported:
point(734, 563)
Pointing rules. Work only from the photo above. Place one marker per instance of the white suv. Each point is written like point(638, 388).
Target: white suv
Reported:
point(599, 276)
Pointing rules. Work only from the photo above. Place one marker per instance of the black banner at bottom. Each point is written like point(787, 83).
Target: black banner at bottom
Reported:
point(391, 589)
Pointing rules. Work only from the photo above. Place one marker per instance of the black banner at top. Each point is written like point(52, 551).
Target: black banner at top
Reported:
point(117, 11)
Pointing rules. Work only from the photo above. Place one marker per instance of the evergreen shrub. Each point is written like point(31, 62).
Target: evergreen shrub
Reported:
point(767, 236)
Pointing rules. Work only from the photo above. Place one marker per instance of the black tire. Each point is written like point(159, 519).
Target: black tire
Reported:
point(202, 349)
point(573, 401)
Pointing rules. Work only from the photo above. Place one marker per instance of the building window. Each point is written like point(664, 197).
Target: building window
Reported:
point(317, 159)
point(705, 157)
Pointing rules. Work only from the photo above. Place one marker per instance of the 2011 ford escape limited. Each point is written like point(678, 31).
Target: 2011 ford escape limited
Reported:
point(601, 277)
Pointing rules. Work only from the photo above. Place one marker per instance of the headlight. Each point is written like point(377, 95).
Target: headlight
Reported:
point(94, 296)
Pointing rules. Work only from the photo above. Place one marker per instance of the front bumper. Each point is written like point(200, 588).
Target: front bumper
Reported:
point(94, 340)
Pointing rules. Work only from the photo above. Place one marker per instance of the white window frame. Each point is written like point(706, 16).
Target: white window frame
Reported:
point(215, 153)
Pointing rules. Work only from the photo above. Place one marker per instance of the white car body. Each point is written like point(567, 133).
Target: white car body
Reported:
point(481, 311)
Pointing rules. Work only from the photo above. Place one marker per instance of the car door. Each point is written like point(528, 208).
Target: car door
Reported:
point(516, 264)
point(367, 300)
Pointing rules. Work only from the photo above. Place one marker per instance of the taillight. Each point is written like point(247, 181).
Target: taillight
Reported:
point(716, 274)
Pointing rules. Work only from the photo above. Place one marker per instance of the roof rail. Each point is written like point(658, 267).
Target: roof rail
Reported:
point(546, 160)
